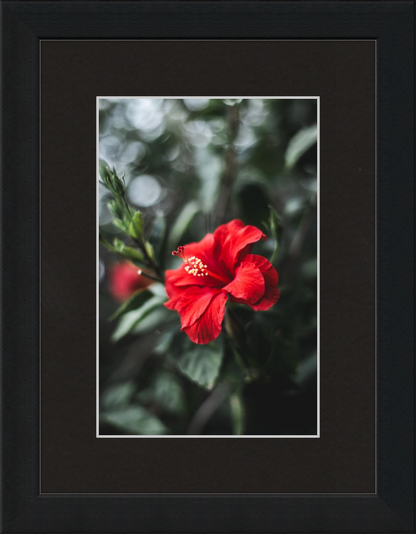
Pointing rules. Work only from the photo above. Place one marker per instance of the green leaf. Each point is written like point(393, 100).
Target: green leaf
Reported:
point(121, 225)
point(237, 414)
point(232, 101)
point(310, 268)
point(118, 395)
point(299, 144)
point(133, 254)
point(134, 302)
point(116, 209)
point(158, 289)
point(276, 229)
point(134, 420)
point(166, 391)
point(153, 321)
point(306, 371)
point(132, 318)
point(158, 233)
point(110, 180)
point(150, 250)
point(137, 226)
point(104, 169)
point(128, 252)
point(200, 363)
point(182, 223)
point(164, 342)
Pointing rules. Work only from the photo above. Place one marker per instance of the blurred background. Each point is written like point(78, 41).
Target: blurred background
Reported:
point(191, 165)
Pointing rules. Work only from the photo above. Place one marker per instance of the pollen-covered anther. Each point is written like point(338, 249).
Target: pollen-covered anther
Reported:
point(196, 267)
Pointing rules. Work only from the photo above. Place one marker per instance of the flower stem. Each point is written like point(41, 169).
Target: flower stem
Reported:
point(147, 275)
point(110, 247)
point(236, 335)
point(140, 242)
point(207, 409)
point(237, 413)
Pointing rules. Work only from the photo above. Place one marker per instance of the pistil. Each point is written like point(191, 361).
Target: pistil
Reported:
point(195, 266)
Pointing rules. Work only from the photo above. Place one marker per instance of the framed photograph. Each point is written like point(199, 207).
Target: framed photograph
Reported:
point(207, 266)
point(215, 174)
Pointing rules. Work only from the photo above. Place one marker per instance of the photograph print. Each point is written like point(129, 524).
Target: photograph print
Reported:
point(208, 267)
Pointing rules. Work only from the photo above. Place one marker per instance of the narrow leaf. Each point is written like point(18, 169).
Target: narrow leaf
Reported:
point(118, 395)
point(134, 420)
point(128, 252)
point(299, 144)
point(133, 254)
point(104, 169)
point(157, 234)
point(237, 414)
point(150, 250)
point(306, 371)
point(166, 391)
point(132, 318)
point(121, 225)
point(201, 363)
point(134, 302)
point(137, 226)
point(276, 229)
point(154, 320)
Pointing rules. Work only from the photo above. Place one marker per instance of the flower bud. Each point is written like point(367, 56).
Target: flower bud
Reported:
point(125, 280)
point(118, 186)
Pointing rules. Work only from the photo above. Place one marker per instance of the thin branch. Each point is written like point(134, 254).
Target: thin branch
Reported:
point(298, 240)
point(110, 247)
point(207, 410)
point(229, 175)
point(147, 275)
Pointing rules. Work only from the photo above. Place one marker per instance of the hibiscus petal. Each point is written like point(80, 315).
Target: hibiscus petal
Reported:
point(177, 279)
point(124, 280)
point(234, 237)
point(191, 303)
point(225, 230)
point(203, 249)
point(248, 283)
point(208, 326)
point(271, 279)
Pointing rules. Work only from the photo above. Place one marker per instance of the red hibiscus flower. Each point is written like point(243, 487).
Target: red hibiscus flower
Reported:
point(125, 280)
point(218, 267)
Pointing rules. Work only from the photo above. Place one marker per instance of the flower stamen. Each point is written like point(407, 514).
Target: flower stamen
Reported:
point(195, 266)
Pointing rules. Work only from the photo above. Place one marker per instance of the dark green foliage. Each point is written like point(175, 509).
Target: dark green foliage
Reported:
point(173, 170)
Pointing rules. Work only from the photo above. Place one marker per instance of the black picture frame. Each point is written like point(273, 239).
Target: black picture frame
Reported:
point(23, 25)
